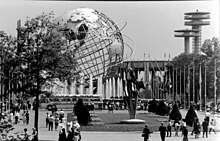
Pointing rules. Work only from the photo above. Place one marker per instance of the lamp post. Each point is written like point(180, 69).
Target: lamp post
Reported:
point(3, 36)
point(205, 85)
point(36, 56)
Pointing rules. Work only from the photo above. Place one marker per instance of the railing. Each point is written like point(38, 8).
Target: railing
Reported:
point(196, 22)
point(198, 17)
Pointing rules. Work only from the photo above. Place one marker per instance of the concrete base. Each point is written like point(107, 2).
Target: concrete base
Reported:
point(133, 121)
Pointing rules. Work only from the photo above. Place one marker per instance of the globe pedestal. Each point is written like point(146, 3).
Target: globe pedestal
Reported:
point(133, 121)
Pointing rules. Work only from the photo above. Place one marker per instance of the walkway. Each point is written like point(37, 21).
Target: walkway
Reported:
point(44, 134)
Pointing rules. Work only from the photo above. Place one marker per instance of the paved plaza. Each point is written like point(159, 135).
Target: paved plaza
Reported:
point(44, 134)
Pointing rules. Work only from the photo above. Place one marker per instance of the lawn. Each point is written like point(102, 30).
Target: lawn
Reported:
point(112, 122)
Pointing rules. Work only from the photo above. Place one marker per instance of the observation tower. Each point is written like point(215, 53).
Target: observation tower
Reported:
point(186, 34)
point(197, 20)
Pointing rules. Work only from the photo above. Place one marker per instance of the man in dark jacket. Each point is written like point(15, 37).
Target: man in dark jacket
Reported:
point(205, 128)
point(162, 130)
point(146, 132)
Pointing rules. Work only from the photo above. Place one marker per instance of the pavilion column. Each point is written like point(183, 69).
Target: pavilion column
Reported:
point(121, 87)
point(98, 88)
point(100, 85)
point(73, 88)
point(90, 85)
point(81, 84)
point(118, 87)
point(103, 89)
point(107, 89)
point(113, 87)
point(110, 87)
point(65, 88)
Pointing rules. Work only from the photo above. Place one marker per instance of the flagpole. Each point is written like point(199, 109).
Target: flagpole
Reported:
point(200, 88)
point(205, 85)
point(169, 74)
point(163, 91)
point(184, 88)
point(188, 86)
point(173, 86)
point(193, 83)
point(176, 83)
point(180, 87)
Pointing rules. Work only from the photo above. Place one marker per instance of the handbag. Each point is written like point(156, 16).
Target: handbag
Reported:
point(143, 135)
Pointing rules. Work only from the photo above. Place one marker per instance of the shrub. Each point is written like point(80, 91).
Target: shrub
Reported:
point(152, 106)
point(82, 113)
point(175, 113)
point(162, 109)
point(190, 116)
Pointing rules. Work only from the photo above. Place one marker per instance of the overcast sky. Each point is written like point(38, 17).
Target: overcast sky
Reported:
point(150, 24)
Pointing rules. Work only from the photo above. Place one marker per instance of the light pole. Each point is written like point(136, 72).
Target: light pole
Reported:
point(205, 85)
point(37, 95)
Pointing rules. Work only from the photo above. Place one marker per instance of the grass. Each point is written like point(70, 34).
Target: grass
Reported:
point(112, 122)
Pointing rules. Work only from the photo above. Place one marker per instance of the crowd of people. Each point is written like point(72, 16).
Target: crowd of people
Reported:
point(73, 133)
point(68, 131)
point(54, 119)
point(204, 128)
point(17, 113)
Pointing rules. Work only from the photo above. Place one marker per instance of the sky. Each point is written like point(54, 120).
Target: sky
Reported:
point(150, 24)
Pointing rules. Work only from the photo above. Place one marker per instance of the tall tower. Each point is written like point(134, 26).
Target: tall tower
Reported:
point(187, 33)
point(197, 20)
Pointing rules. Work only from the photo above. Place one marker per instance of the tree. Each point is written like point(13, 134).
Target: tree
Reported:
point(210, 54)
point(211, 51)
point(8, 63)
point(175, 113)
point(44, 54)
point(190, 116)
point(82, 113)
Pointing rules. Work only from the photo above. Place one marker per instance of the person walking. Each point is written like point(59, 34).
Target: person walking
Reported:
point(24, 117)
point(197, 128)
point(185, 133)
point(176, 127)
point(207, 116)
point(70, 136)
point(146, 133)
point(26, 135)
point(10, 118)
point(205, 128)
point(56, 120)
point(47, 120)
point(16, 117)
point(50, 123)
point(62, 135)
point(162, 130)
point(61, 115)
point(169, 128)
point(194, 122)
point(212, 126)
point(27, 117)
point(34, 134)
